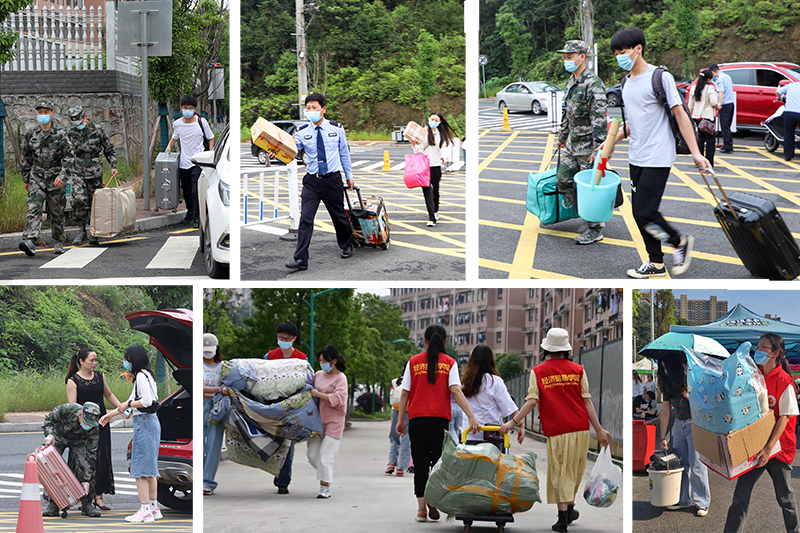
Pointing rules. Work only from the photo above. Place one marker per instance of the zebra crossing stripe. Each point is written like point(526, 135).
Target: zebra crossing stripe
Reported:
point(373, 166)
point(75, 258)
point(177, 252)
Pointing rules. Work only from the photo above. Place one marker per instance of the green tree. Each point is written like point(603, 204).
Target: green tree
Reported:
point(517, 40)
point(426, 72)
point(663, 316)
point(509, 365)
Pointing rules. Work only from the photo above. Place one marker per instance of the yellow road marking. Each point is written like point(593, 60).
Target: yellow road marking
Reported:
point(535, 272)
point(486, 162)
point(768, 186)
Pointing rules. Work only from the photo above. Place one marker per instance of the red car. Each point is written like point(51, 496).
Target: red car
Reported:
point(170, 332)
point(755, 85)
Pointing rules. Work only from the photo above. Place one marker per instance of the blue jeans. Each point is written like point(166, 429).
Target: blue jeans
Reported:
point(398, 445)
point(694, 479)
point(781, 475)
point(456, 421)
point(285, 475)
point(212, 446)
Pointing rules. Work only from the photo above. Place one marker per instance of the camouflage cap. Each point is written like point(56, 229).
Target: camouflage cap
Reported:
point(75, 114)
point(574, 47)
point(47, 104)
point(91, 414)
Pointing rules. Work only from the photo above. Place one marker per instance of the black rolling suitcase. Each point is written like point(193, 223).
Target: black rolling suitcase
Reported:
point(758, 234)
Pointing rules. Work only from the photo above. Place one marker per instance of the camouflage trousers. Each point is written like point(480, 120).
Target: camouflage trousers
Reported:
point(83, 465)
point(565, 178)
point(41, 200)
point(82, 196)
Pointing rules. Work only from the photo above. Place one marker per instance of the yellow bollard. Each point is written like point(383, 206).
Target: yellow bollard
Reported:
point(506, 127)
point(386, 160)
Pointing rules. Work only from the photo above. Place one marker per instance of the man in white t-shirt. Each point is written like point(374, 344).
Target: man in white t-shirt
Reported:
point(652, 153)
point(190, 130)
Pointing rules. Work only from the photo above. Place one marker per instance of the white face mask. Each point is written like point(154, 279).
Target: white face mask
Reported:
point(207, 355)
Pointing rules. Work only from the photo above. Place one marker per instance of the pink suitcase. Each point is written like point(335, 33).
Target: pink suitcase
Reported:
point(57, 478)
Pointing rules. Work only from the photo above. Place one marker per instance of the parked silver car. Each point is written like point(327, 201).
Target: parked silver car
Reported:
point(533, 96)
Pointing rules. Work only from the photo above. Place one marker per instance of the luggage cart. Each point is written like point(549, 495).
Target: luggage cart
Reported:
point(499, 519)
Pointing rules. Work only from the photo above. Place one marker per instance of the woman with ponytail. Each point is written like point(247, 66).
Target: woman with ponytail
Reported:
point(428, 381)
point(770, 356)
point(86, 384)
point(439, 135)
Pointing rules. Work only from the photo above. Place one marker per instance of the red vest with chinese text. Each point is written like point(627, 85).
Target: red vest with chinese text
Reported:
point(561, 407)
point(429, 399)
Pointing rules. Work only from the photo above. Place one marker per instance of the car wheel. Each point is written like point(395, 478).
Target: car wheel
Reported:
point(770, 142)
point(536, 107)
point(502, 105)
point(178, 498)
point(262, 157)
point(612, 100)
point(214, 269)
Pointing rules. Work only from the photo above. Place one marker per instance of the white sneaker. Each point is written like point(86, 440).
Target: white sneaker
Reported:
point(431, 223)
point(141, 516)
point(436, 216)
point(157, 514)
point(701, 511)
point(324, 492)
point(682, 256)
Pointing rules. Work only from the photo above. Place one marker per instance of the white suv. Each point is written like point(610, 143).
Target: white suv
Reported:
point(214, 196)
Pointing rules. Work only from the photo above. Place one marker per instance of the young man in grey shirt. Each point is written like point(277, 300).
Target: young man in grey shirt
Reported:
point(652, 153)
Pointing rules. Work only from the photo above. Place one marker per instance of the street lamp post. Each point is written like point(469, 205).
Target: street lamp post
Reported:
point(310, 304)
point(396, 341)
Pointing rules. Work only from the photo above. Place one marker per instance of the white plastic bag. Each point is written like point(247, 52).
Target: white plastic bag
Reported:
point(603, 485)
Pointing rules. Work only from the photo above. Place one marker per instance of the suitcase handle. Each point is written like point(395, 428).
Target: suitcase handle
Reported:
point(485, 428)
point(725, 196)
point(360, 201)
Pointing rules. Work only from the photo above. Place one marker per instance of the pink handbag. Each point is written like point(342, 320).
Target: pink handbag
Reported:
point(418, 171)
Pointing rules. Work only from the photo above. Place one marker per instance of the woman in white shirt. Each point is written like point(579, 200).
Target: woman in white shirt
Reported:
point(439, 134)
point(146, 433)
point(486, 394)
point(702, 103)
point(638, 386)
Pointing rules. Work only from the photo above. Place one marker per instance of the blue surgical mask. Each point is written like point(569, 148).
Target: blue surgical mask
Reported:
point(81, 125)
point(43, 119)
point(570, 65)
point(86, 427)
point(433, 124)
point(313, 116)
point(625, 61)
point(127, 365)
point(187, 113)
point(326, 367)
point(760, 358)
point(284, 344)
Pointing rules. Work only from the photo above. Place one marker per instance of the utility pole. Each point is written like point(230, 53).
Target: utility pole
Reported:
point(587, 29)
point(302, 57)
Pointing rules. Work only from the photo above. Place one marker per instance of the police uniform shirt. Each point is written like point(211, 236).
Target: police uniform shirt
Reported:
point(337, 155)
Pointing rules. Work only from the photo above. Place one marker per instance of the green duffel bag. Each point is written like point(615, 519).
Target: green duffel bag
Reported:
point(544, 199)
point(479, 480)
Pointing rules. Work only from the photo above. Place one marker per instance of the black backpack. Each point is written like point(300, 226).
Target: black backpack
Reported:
point(661, 95)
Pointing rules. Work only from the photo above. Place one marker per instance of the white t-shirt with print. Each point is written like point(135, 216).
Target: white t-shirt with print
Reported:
point(191, 139)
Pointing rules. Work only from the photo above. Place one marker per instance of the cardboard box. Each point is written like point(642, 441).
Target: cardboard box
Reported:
point(273, 140)
point(414, 132)
point(732, 454)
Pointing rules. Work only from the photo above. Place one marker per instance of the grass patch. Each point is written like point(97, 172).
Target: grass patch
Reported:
point(380, 415)
point(366, 135)
point(244, 135)
point(13, 203)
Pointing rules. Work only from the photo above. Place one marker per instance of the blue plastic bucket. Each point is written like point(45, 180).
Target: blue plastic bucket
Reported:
point(596, 202)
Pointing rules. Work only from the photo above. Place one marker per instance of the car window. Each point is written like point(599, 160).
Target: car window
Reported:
point(219, 145)
point(537, 87)
point(524, 90)
point(511, 88)
point(769, 78)
point(740, 76)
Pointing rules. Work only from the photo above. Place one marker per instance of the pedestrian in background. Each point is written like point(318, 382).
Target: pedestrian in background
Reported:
point(399, 447)
point(212, 431)
point(650, 386)
point(439, 135)
point(791, 116)
point(726, 100)
point(45, 162)
point(637, 386)
point(703, 103)
point(330, 387)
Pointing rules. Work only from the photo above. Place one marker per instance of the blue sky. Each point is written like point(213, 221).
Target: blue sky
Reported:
point(782, 303)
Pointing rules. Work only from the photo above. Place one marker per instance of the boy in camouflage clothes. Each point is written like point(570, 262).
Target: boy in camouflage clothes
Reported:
point(45, 152)
point(89, 142)
point(583, 127)
point(75, 426)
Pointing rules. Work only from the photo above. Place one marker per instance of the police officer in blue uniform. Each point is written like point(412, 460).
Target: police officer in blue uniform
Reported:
point(325, 144)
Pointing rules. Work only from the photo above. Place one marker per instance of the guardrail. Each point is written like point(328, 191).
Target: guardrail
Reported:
point(269, 211)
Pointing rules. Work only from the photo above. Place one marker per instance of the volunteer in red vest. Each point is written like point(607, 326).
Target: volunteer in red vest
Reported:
point(770, 356)
point(560, 388)
point(287, 334)
point(428, 381)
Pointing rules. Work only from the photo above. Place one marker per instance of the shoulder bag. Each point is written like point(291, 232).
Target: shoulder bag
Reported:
point(153, 406)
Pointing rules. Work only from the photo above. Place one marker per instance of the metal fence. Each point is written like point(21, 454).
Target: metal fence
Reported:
point(603, 368)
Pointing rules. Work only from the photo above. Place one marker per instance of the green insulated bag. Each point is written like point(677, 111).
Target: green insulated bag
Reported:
point(545, 201)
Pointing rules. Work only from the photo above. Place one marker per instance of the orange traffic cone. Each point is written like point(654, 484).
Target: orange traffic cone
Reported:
point(30, 506)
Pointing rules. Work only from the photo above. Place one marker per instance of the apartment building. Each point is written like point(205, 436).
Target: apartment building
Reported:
point(699, 312)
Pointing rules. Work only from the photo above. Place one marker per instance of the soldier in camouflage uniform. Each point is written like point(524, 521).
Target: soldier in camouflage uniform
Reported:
point(583, 127)
point(45, 151)
point(75, 426)
point(88, 143)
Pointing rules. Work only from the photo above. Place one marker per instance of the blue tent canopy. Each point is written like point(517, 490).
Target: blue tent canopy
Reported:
point(742, 325)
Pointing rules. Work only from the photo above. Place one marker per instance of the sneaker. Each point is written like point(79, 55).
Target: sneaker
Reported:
point(682, 256)
point(400, 472)
point(26, 245)
point(283, 490)
point(208, 492)
point(589, 236)
point(436, 217)
point(422, 516)
point(81, 238)
point(647, 270)
point(157, 512)
point(389, 470)
point(58, 248)
point(92, 239)
point(324, 492)
point(431, 223)
point(51, 509)
point(701, 511)
point(141, 516)
point(410, 469)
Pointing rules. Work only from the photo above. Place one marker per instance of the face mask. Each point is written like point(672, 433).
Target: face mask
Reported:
point(86, 427)
point(760, 358)
point(313, 116)
point(326, 367)
point(81, 126)
point(284, 344)
point(187, 113)
point(433, 124)
point(625, 61)
point(207, 355)
point(127, 365)
point(43, 119)
point(570, 65)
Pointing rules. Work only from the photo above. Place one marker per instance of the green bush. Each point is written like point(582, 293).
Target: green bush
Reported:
point(13, 203)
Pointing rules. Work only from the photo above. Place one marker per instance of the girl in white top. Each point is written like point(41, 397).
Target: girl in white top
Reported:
point(638, 386)
point(486, 392)
point(702, 103)
point(439, 134)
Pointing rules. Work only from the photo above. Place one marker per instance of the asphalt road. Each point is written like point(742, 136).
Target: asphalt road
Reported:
point(364, 499)
point(514, 244)
point(171, 253)
point(13, 452)
point(416, 252)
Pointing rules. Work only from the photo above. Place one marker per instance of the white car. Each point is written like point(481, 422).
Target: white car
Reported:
point(214, 196)
point(533, 96)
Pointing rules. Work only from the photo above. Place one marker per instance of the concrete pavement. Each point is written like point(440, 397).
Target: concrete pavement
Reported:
point(364, 499)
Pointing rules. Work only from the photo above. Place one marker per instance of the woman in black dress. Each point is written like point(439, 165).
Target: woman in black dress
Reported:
point(85, 384)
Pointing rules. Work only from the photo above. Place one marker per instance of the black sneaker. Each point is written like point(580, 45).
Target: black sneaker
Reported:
point(682, 256)
point(50, 510)
point(647, 270)
point(283, 490)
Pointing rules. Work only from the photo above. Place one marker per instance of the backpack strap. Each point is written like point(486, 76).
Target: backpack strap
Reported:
point(658, 86)
point(622, 107)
